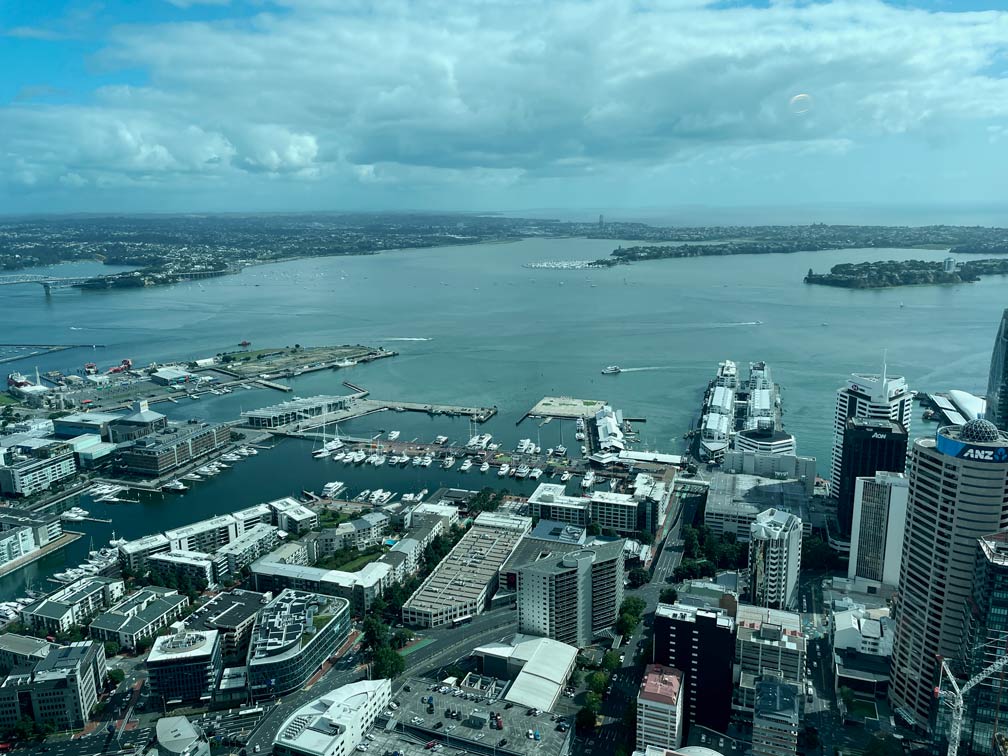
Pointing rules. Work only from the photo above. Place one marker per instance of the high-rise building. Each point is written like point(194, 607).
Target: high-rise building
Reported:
point(568, 597)
point(997, 382)
point(776, 719)
point(700, 643)
point(880, 505)
point(958, 493)
point(767, 642)
point(986, 641)
point(660, 708)
point(873, 397)
point(185, 667)
point(869, 445)
point(774, 558)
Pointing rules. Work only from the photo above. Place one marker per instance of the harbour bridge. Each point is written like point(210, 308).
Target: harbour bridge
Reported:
point(48, 283)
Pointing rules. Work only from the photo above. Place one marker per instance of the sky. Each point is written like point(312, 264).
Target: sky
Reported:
point(280, 105)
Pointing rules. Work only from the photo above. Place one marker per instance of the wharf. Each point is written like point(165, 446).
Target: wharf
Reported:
point(68, 537)
point(564, 408)
point(273, 385)
point(361, 406)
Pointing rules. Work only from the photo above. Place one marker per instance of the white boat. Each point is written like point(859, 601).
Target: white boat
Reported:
point(376, 495)
point(560, 451)
point(380, 460)
point(231, 457)
point(584, 450)
point(175, 485)
point(363, 495)
point(370, 458)
point(525, 446)
point(427, 460)
point(440, 440)
point(535, 473)
point(320, 454)
point(250, 451)
point(393, 435)
point(191, 476)
point(504, 470)
point(466, 465)
point(405, 459)
point(612, 484)
point(493, 447)
point(612, 370)
point(566, 476)
point(579, 436)
point(549, 452)
point(418, 460)
point(537, 449)
point(333, 488)
point(339, 456)
point(589, 480)
point(522, 471)
point(484, 467)
point(448, 462)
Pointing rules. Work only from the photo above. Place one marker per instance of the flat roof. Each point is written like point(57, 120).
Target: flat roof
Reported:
point(184, 645)
point(226, 610)
point(315, 727)
point(661, 684)
point(212, 523)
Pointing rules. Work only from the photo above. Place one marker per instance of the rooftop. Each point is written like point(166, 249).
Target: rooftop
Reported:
point(176, 734)
point(661, 684)
point(686, 613)
point(186, 644)
point(226, 610)
point(316, 726)
point(776, 699)
point(287, 624)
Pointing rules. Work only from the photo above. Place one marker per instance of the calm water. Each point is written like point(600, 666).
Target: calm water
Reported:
point(474, 327)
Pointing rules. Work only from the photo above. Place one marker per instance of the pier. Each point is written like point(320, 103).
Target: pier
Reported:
point(68, 537)
point(271, 384)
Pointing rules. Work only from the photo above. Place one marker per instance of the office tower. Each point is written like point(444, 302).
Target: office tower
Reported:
point(767, 641)
point(997, 383)
point(958, 487)
point(868, 446)
point(776, 719)
point(880, 505)
point(660, 708)
point(986, 641)
point(774, 558)
point(569, 597)
point(873, 397)
point(700, 643)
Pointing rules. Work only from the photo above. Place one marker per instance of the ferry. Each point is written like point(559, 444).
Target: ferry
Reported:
point(522, 471)
point(589, 480)
point(484, 467)
point(504, 470)
point(393, 435)
point(448, 463)
point(466, 465)
point(612, 370)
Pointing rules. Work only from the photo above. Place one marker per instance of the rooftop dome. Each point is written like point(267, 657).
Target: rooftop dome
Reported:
point(979, 431)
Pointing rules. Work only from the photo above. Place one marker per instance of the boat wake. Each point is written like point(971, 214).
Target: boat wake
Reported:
point(643, 369)
point(407, 338)
point(75, 328)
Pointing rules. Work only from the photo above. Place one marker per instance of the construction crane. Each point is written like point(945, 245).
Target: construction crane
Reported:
point(956, 701)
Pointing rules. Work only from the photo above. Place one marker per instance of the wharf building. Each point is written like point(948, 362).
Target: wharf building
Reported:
point(775, 541)
point(872, 397)
point(660, 708)
point(701, 643)
point(765, 439)
point(84, 423)
point(869, 445)
point(879, 522)
point(141, 422)
point(27, 469)
point(335, 723)
point(957, 485)
point(309, 409)
point(139, 617)
point(72, 605)
point(463, 582)
point(292, 637)
point(997, 381)
point(160, 452)
point(767, 641)
point(776, 719)
point(185, 667)
point(61, 690)
point(571, 596)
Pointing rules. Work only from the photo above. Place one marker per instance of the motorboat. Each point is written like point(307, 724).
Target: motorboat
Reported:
point(535, 473)
point(333, 488)
point(448, 462)
point(466, 465)
point(503, 471)
point(439, 440)
point(560, 451)
point(484, 467)
point(427, 460)
point(589, 480)
point(339, 456)
point(612, 370)
point(393, 435)
point(567, 475)
point(175, 485)
point(523, 471)
point(192, 476)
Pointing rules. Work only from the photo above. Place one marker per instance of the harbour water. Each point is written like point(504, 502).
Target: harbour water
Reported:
point(474, 327)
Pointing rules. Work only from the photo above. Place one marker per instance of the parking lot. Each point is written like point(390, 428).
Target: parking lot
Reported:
point(462, 722)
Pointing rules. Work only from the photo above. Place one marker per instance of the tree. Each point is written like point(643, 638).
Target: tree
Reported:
point(668, 596)
point(376, 633)
point(584, 720)
point(597, 682)
point(111, 649)
point(25, 729)
point(633, 605)
point(116, 676)
point(638, 577)
point(594, 529)
point(388, 663)
point(626, 624)
point(847, 696)
point(400, 638)
point(610, 661)
point(593, 701)
point(817, 555)
point(576, 678)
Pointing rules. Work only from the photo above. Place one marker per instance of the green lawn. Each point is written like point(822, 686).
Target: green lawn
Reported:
point(321, 620)
point(863, 709)
point(355, 564)
point(6, 398)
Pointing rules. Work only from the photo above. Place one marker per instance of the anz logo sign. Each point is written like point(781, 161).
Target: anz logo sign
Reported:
point(999, 454)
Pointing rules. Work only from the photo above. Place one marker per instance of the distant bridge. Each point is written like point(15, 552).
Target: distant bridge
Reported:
point(47, 282)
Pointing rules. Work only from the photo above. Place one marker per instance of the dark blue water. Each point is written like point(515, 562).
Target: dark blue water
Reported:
point(495, 333)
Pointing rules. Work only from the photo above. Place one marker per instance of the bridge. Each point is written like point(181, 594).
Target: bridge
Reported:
point(47, 282)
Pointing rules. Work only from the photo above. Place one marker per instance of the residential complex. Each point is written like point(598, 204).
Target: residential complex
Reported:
point(775, 540)
point(72, 604)
point(185, 667)
point(139, 617)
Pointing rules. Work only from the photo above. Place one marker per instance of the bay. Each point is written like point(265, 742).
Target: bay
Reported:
point(475, 327)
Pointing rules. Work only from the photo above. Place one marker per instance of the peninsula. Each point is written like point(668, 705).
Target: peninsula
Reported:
point(884, 274)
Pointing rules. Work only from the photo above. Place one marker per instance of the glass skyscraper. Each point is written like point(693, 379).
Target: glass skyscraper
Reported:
point(997, 383)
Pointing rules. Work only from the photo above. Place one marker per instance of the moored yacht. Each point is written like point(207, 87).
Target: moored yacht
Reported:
point(466, 465)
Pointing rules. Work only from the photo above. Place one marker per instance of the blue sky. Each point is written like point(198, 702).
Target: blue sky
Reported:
point(231, 105)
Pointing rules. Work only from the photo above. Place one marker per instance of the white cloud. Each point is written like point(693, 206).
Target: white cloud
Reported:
point(500, 93)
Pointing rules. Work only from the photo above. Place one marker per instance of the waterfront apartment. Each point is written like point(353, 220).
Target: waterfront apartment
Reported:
point(27, 470)
point(161, 452)
point(292, 516)
point(139, 617)
point(72, 605)
point(292, 637)
point(257, 540)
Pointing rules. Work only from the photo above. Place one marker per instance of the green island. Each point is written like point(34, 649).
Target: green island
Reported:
point(884, 274)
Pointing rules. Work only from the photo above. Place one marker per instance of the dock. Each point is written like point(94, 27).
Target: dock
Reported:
point(68, 537)
point(564, 408)
point(273, 385)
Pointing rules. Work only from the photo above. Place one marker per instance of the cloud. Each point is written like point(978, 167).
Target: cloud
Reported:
point(502, 93)
point(34, 32)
